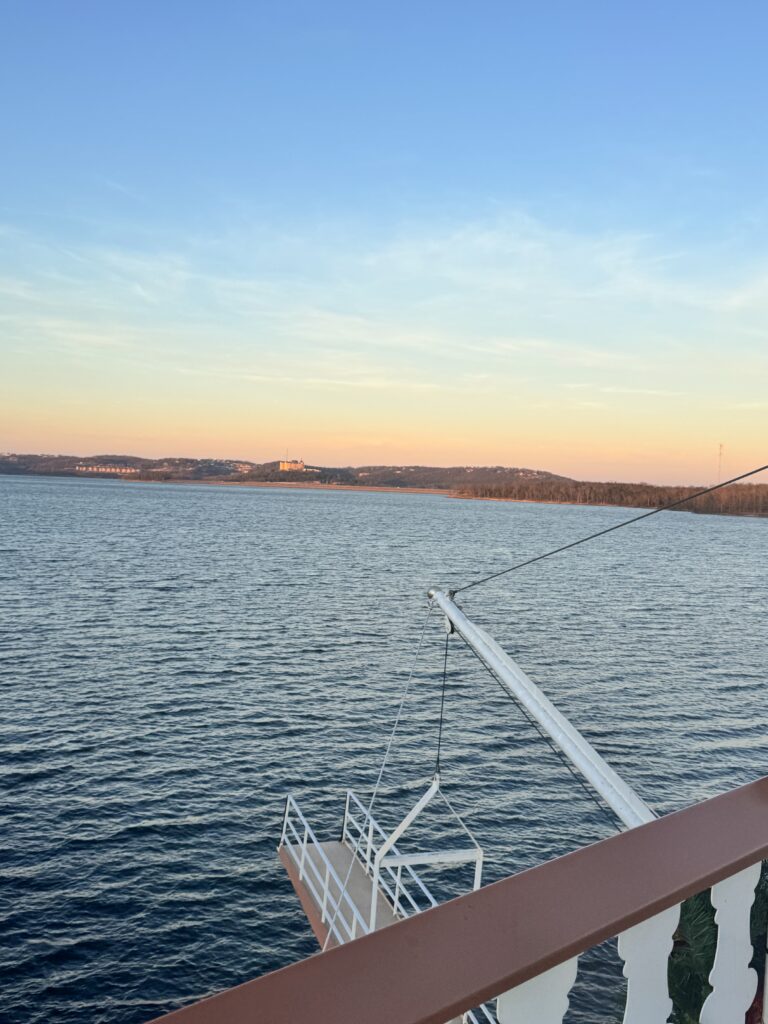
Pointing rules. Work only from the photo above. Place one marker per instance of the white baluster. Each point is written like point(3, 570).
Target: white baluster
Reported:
point(645, 950)
point(733, 982)
point(542, 1000)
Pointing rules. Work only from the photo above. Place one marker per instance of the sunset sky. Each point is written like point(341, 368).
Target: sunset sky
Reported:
point(436, 233)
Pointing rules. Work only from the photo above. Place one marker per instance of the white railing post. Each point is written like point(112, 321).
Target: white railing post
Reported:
point(325, 892)
point(369, 847)
point(733, 981)
point(285, 819)
point(645, 950)
point(542, 1000)
point(374, 895)
point(303, 854)
point(478, 881)
point(398, 880)
point(392, 838)
point(346, 815)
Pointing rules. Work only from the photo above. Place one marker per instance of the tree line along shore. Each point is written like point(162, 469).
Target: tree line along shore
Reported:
point(499, 483)
point(735, 500)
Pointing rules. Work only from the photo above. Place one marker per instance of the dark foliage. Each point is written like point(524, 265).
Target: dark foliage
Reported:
point(739, 499)
point(694, 951)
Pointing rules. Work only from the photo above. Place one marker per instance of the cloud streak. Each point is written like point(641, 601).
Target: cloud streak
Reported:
point(540, 332)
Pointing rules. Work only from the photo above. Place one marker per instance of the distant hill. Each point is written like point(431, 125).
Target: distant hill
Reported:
point(116, 465)
point(502, 483)
point(447, 478)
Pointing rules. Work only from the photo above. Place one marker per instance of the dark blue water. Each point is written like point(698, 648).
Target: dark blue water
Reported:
point(175, 659)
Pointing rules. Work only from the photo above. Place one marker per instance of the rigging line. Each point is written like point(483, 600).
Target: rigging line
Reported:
point(442, 705)
point(459, 818)
point(374, 794)
point(610, 529)
point(607, 812)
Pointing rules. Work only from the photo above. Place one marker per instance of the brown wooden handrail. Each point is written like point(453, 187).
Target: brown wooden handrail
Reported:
point(430, 968)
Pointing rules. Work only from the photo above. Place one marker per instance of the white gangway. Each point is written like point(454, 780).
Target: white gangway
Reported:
point(352, 886)
point(362, 881)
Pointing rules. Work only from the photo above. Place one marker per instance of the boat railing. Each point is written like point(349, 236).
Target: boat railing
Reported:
point(520, 939)
point(337, 910)
point(365, 836)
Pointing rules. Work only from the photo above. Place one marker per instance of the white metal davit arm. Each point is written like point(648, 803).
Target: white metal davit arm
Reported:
point(390, 842)
point(620, 797)
point(384, 858)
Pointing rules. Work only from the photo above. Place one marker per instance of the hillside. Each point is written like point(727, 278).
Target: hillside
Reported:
point(502, 483)
point(132, 467)
point(448, 477)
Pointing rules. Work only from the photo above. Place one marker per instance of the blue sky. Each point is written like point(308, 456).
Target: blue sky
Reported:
point(346, 219)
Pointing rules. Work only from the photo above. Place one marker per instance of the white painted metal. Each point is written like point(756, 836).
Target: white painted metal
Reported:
point(542, 1000)
point(361, 828)
point(478, 880)
point(406, 892)
point(390, 841)
point(627, 805)
point(645, 951)
point(440, 857)
point(645, 948)
point(318, 874)
point(733, 981)
point(384, 858)
point(397, 880)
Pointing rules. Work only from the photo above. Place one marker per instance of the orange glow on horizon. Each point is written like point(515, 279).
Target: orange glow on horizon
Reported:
point(582, 446)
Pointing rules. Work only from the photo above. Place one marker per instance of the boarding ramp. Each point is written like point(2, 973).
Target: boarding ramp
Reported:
point(363, 882)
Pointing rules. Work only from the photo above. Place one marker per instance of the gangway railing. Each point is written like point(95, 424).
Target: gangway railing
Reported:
point(365, 837)
point(390, 870)
point(520, 939)
point(337, 910)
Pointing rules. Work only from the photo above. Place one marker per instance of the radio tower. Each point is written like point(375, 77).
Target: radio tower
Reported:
point(720, 463)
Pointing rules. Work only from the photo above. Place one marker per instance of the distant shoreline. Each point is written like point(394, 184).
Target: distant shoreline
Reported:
point(605, 504)
point(432, 490)
point(372, 488)
point(442, 492)
point(299, 485)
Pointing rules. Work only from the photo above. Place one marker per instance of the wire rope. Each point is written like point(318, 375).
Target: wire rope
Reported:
point(606, 812)
point(610, 529)
point(374, 794)
point(442, 705)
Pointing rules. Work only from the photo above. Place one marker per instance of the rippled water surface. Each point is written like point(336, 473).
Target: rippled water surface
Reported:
point(175, 659)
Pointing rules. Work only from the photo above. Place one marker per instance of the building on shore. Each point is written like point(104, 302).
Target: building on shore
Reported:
point(292, 466)
point(106, 470)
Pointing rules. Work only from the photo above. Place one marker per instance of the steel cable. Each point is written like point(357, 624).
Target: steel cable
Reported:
point(609, 529)
point(374, 794)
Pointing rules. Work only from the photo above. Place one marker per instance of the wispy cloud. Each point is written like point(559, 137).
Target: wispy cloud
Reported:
point(648, 392)
point(332, 383)
point(570, 353)
point(478, 308)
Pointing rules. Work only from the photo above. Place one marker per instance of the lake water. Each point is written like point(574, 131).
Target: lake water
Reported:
point(175, 659)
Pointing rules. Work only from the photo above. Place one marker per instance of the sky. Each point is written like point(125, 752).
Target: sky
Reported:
point(529, 234)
